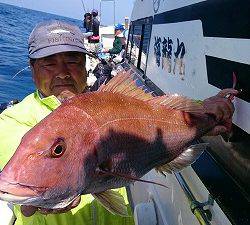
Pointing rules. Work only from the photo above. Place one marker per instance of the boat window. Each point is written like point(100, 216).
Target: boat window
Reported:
point(130, 40)
point(145, 46)
point(138, 43)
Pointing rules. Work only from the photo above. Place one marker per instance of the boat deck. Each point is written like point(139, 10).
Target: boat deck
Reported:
point(107, 38)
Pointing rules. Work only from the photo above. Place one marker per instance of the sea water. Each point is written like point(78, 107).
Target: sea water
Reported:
point(15, 26)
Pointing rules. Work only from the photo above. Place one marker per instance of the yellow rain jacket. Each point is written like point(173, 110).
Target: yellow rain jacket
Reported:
point(14, 123)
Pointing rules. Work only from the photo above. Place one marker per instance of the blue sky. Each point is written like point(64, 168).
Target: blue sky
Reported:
point(74, 8)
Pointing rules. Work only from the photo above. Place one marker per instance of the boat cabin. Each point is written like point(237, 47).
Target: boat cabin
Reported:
point(196, 48)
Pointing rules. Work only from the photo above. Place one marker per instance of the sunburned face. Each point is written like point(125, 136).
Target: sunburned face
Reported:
point(117, 32)
point(60, 72)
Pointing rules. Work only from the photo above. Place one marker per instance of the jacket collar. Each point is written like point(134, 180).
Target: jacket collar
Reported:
point(50, 101)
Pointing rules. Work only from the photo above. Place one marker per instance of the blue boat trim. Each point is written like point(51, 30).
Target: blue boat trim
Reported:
point(220, 18)
point(220, 74)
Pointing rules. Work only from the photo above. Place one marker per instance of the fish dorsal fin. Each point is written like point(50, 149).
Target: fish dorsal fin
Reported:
point(185, 159)
point(124, 83)
point(113, 201)
point(178, 102)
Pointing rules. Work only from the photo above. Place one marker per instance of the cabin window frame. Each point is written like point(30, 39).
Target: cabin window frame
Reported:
point(130, 42)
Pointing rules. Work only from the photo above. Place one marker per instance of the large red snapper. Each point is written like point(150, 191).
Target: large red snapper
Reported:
point(94, 140)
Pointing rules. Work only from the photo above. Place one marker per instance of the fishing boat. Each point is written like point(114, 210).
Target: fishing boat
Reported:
point(194, 48)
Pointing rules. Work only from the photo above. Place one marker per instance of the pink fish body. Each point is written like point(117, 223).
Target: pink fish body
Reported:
point(92, 140)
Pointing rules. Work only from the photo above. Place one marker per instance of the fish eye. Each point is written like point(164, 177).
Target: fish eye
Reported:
point(58, 148)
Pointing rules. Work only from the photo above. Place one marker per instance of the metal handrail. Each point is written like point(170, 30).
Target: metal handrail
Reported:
point(203, 216)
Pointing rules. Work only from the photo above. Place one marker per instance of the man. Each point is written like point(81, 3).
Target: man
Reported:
point(87, 22)
point(95, 24)
point(57, 59)
point(119, 44)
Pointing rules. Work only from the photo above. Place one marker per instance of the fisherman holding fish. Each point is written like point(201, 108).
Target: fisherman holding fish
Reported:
point(57, 59)
point(64, 163)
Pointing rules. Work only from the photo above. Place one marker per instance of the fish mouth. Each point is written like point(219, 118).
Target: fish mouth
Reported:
point(13, 198)
point(19, 193)
point(24, 194)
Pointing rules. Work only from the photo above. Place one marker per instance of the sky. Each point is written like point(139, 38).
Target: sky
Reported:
point(75, 9)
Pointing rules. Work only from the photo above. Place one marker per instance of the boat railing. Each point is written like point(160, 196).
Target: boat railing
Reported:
point(204, 216)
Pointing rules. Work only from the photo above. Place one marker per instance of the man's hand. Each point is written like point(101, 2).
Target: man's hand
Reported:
point(30, 210)
point(221, 107)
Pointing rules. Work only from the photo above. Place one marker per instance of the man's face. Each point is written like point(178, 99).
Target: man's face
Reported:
point(117, 32)
point(60, 72)
point(88, 18)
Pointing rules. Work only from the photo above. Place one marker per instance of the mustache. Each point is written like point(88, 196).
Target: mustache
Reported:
point(62, 82)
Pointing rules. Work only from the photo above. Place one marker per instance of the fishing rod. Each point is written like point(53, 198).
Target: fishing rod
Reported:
point(84, 8)
point(20, 71)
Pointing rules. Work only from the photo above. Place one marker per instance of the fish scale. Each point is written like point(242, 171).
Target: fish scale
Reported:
point(106, 139)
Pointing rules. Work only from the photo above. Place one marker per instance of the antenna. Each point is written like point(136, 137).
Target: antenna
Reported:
point(20, 71)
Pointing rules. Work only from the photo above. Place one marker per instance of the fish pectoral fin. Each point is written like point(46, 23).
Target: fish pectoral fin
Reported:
point(185, 159)
point(113, 202)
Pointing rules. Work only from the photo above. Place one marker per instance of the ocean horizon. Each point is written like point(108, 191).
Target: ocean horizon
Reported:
point(16, 23)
